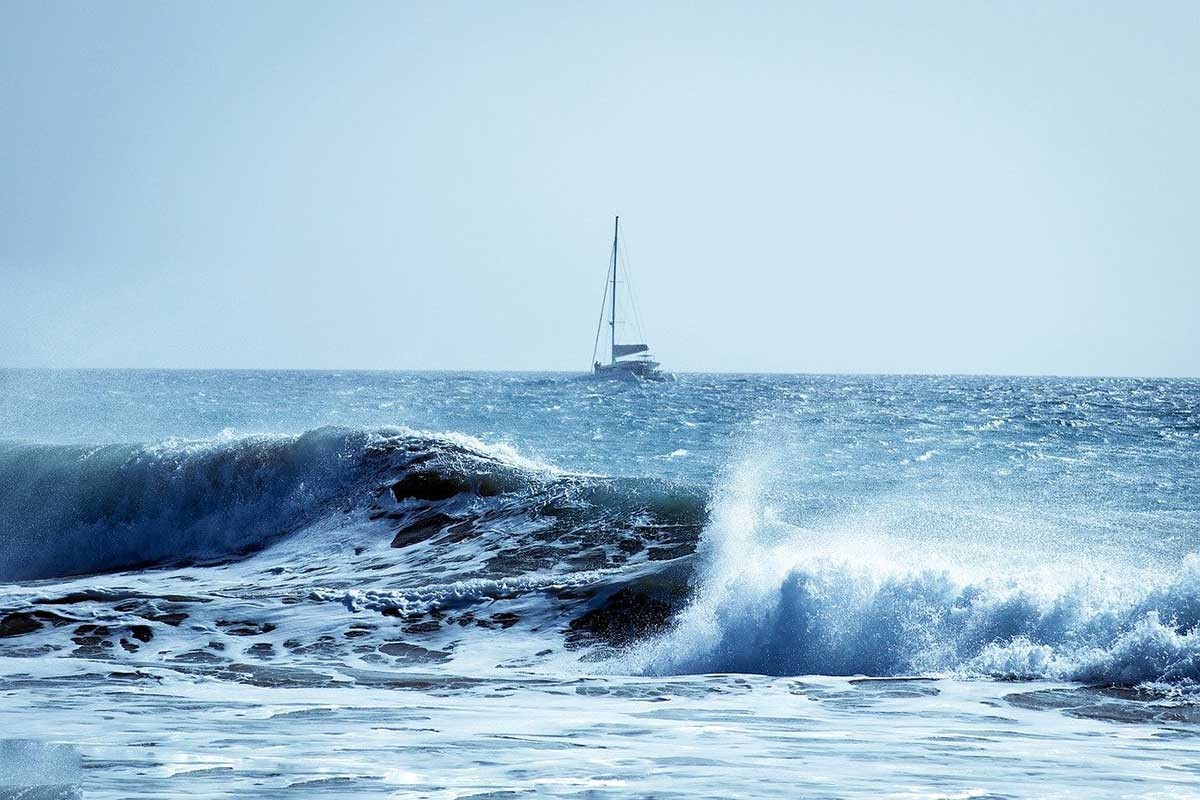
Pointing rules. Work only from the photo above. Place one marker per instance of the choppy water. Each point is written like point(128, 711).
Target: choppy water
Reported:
point(442, 585)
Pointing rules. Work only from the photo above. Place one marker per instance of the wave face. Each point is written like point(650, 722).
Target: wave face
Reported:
point(70, 510)
point(771, 603)
point(75, 510)
point(67, 510)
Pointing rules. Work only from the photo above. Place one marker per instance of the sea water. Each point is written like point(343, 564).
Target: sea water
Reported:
point(330, 584)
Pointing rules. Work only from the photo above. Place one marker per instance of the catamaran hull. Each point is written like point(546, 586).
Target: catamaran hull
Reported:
point(631, 371)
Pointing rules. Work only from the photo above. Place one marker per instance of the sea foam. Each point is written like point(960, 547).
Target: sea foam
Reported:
point(769, 602)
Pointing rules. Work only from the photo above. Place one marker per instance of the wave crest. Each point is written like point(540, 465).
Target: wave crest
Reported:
point(761, 605)
point(69, 510)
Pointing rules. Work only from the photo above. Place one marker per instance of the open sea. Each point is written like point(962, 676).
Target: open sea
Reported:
point(449, 585)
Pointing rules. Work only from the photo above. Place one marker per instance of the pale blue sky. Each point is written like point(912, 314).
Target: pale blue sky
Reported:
point(869, 187)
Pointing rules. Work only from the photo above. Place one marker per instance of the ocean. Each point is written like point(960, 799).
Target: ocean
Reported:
point(267, 584)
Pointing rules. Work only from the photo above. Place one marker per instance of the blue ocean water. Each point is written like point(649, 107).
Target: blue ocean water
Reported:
point(442, 585)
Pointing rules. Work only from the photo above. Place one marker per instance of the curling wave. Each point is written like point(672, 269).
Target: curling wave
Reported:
point(69, 510)
point(77, 510)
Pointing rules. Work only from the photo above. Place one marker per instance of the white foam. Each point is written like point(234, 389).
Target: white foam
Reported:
point(785, 601)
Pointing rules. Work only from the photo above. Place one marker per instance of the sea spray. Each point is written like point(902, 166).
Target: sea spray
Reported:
point(773, 599)
point(391, 594)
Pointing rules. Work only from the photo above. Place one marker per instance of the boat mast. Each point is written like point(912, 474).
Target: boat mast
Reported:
point(612, 320)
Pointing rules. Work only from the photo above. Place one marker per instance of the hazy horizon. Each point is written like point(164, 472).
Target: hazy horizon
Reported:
point(949, 189)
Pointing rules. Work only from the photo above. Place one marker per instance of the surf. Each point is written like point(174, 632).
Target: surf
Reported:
point(68, 510)
point(649, 576)
point(767, 600)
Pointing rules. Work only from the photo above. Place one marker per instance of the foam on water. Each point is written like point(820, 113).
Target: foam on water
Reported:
point(773, 600)
point(936, 586)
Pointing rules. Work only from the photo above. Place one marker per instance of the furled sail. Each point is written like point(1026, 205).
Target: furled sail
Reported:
point(619, 350)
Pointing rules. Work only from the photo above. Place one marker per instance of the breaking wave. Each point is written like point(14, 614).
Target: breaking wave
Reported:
point(78, 510)
point(455, 523)
point(766, 603)
point(69, 510)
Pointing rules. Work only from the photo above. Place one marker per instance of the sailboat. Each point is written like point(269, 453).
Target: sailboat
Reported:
point(631, 361)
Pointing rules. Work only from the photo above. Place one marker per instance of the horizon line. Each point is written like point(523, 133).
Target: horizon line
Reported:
point(451, 370)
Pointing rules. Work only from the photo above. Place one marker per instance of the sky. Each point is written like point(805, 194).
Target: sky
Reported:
point(933, 187)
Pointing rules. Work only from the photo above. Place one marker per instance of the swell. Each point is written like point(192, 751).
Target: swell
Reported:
point(77, 510)
point(67, 510)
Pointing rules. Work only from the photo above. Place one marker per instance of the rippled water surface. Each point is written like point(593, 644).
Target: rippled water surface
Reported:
point(248, 584)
